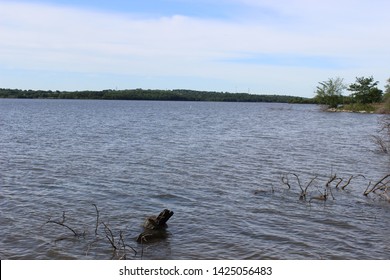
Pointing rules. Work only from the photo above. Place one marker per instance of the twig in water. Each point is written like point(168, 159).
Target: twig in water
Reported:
point(285, 181)
point(311, 181)
point(302, 196)
point(90, 245)
point(97, 218)
point(299, 181)
point(337, 185)
point(109, 236)
point(61, 223)
point(330, 190)
point(350, 179)
point(125, 246)
point(377, 186)
point(331, 179)
point(123, 257)
point(303, 190)
point(323, 196)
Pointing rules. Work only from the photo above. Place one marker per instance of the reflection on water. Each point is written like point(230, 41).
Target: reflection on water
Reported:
point(218, 166)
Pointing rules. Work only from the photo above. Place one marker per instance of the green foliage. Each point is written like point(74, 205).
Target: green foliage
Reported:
point(330, 92)
point(359, 107)
point(365, 90)
point(148, 94)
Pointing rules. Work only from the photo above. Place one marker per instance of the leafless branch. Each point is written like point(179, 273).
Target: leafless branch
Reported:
point(382, 138)
point(311, 181)
point(303, 190)
point(337, 185)
point(61, 223)
point(109, 236)
point(285, 181)
point(350, 179)
point(378, 185)
point(97, 218)
point(331, 179)
point(299, 181)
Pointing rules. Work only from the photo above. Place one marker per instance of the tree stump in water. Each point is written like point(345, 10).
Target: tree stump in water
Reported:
point(155, 227)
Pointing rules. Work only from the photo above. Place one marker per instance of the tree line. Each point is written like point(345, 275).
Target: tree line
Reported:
point(364, 94)
point(151, 94)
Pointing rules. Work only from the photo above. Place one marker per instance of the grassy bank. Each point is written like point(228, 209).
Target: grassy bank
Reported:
point(373, 108)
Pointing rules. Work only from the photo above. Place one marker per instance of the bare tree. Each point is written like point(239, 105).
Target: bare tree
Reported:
point(382, 138)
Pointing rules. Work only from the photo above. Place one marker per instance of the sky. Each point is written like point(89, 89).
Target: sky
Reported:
point(256, 46)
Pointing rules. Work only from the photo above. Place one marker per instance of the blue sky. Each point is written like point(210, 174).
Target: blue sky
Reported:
point(158, 8)
point(261, 46)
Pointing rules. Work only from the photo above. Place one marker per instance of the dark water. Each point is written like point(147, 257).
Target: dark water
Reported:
point(218, 166)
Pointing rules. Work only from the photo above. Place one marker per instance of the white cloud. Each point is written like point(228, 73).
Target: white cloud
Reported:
point(57, 38)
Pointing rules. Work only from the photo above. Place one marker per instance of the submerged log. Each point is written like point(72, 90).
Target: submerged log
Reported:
point(155, 227)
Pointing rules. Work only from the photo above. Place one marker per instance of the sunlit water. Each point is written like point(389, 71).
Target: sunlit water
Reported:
point(218, 166)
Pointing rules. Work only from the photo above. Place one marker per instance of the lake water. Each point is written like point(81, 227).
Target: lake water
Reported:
point(218, 166)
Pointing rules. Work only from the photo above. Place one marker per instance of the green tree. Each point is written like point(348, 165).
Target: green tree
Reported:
point(330, 92)
point(365, 90)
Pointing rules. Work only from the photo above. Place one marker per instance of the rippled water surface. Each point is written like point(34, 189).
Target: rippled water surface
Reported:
point(218, 166)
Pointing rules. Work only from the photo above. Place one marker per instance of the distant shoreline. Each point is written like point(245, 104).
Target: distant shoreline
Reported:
point(149, 94)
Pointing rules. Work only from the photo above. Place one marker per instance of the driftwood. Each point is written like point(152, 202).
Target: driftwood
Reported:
point(155, 227)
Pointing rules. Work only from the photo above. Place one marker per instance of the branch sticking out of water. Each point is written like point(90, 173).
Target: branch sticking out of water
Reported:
point(322, 197)
point(285, 181)
point(331, 179)
point(381, 188)
point(340, 180)
point(97, 218)
point(382, 184)
point(303, 190)
point(350, 179)
point(109, 236)
point(382, 138)
point(62, 223)
point(120, 248)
